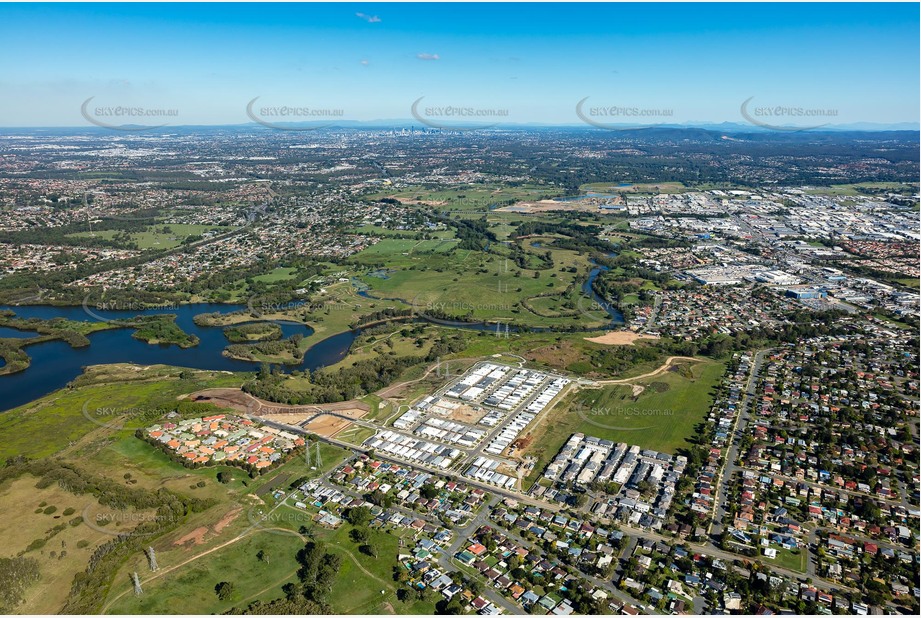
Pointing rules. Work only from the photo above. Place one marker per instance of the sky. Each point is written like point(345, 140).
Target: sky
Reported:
point(520, 63)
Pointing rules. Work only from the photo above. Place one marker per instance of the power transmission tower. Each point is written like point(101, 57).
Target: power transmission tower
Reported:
point(319, 459)
point(307, 455)
point(137, 584)
point(152, 559)
point(444, 372)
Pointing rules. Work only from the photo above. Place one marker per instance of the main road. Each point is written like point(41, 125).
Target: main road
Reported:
point(729, 468)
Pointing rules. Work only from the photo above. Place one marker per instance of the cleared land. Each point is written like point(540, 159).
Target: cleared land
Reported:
point(641, 187)
point(470, 197)
point(325, 425)
point(620, 337)
point(662, 416)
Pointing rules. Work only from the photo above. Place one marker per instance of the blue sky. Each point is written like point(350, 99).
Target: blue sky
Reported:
point(372, 60)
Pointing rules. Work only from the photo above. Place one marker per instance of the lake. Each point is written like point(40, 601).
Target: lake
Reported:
point(55, 363)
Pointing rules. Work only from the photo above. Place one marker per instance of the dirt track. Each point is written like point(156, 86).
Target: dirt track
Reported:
point(665, 367)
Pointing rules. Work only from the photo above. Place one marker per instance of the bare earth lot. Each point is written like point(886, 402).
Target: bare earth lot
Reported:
point(327, 426)
point(620, 337)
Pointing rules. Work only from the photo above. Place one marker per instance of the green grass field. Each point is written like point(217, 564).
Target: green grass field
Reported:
point(626, 186)
point(787, 559)
point(375, 402)
point(661, 418)
point(377, 230)
point(155, 237)
point(481, 286)
point(51, 423)
point(194, 582)
point(362, 578)
point(852, 189)
point(279, 274)
point(474, 198)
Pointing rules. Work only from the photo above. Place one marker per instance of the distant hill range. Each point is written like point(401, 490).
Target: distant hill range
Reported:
point(679, 131)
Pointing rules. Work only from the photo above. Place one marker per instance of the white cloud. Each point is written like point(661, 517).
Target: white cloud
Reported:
point(371, 19)
point(424, 56)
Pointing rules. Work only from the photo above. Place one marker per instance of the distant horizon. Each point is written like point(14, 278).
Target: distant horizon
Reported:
point(407, 123)
point(778, 66)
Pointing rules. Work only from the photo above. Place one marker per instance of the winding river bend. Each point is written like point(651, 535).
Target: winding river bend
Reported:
point(55, 363)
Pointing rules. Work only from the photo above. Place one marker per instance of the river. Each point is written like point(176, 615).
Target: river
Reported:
point(55, 363)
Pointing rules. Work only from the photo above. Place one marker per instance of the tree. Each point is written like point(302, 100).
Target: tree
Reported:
point(358, 516)
point(380, 499)
point(261, 556)
point(408, 595)
point(224, 590)
point(360, 535)
point(454, 607)
point(224, 477)
point(368, 549)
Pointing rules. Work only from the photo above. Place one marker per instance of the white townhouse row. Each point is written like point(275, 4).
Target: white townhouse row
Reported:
point(413, 449)
point(477, 381)
point(484, 469)
point(546, 396)
point(509, 433)
point(518, 388)
point(450, 431)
